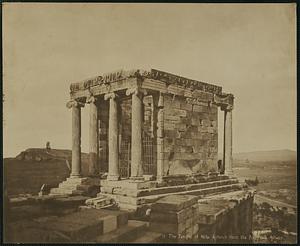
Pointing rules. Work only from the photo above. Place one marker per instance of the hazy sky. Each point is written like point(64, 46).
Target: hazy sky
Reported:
point(248, 49)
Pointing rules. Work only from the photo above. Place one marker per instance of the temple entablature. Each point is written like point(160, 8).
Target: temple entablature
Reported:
point(152, 81)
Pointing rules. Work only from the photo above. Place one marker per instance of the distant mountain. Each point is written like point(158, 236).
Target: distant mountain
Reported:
point(272, 155)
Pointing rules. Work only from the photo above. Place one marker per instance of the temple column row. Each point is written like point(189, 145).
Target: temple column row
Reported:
point(113, 155)
point(136, 149)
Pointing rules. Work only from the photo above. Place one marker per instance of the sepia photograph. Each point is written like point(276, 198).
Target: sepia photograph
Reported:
point(149, 123)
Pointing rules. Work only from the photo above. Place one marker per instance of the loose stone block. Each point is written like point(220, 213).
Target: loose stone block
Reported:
point(171, 216)
point(174, 202)
point(167, 228)
point(109, 223)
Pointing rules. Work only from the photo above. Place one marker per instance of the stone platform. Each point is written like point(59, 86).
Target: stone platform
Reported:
point(77, 186)
point(217, 218)
point(136, 195)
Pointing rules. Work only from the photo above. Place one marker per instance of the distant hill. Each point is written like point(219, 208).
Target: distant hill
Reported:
point(272, 155)
point(40, 154)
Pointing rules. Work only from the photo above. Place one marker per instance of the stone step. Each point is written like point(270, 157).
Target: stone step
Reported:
point(148, 237)
point(60, 191)
point(136, 201)
point(85, 226)
point(67, 186)
point(84, 187)
point(188, 190)
point(78, 180)
point(66, 191)
point(172, 189)
point(198, 192)
point(179, 179)
point(123, 234)
point(79, 192)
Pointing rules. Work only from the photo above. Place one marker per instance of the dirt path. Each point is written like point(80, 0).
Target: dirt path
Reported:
point(274, 203)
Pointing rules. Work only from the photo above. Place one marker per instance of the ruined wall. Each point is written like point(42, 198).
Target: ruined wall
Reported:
point(190, 135)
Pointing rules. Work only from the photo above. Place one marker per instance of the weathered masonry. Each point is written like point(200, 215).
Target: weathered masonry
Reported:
point(150, 122)
point(155, 134)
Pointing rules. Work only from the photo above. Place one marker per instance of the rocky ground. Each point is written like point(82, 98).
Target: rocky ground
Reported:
point(277, 181)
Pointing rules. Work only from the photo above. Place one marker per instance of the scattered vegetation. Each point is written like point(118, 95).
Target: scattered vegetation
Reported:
point(274, 218)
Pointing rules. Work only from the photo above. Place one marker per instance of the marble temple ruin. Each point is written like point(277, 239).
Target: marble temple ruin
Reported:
point(155, 134)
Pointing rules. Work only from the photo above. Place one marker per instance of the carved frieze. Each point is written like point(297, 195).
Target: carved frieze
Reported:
point(184, 82)
point(165, 77)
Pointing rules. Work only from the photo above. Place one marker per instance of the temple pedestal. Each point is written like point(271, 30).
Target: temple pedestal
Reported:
point(140, 194)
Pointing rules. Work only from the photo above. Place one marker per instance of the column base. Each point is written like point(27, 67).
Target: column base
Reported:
point(113, 177)
point(159, 179)
point(229, 172)
point(75, 176)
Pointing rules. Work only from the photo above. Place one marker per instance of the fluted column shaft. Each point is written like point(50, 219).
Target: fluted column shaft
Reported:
point(136, 132)
point(113, 150)
point(136, 136)
point(160, 137)
point(228, 142)
point(76, 137)
point(93, 137)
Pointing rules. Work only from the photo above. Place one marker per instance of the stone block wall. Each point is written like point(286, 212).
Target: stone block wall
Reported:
point(190, 136)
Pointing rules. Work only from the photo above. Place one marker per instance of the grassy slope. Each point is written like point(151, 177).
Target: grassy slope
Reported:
point(28, 176)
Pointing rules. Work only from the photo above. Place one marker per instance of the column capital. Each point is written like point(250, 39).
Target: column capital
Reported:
point(227, 108)
point(110, 95)
point(74, 103)
point(136, 91)
point(225, 101)
point(91, 98)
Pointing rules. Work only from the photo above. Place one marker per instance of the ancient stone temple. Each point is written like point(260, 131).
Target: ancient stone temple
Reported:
point(155, 134)
point(168, 122)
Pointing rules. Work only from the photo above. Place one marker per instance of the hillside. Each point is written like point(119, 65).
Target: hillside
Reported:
point(39, 154)
point(264, 156)
point(37, 166)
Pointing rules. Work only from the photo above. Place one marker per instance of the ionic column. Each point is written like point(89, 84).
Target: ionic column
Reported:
point(227, 158)
point(76, 137)
point(113, 150)
point(159, 105)
point(93, 136)
point(136, 132)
